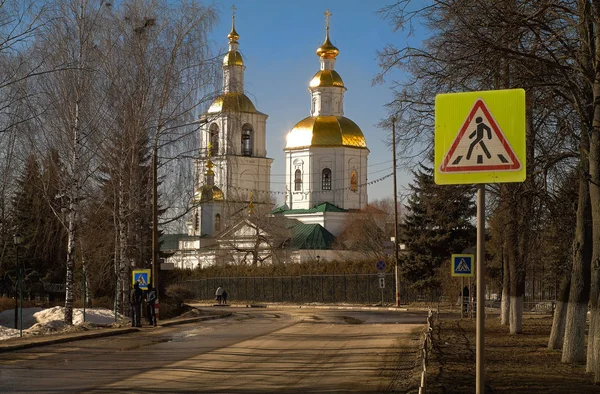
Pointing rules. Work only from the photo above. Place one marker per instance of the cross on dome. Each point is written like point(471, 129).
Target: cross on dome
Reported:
point(327, 50)
point(233, 35)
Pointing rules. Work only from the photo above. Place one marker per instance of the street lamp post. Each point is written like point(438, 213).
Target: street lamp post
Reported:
point(17, 239)
point(395, 214)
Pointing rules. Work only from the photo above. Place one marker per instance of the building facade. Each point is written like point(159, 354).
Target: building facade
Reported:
point(232, 168)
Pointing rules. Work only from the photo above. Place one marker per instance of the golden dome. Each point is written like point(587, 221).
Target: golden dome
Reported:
point(233, 58)
point(232, 102)
point(328, 131)
point(208, 193)
point(326, 78)
point(327, 50)
point(233, 35)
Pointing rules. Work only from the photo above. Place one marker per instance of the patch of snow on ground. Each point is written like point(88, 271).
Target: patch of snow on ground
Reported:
point(38, 321)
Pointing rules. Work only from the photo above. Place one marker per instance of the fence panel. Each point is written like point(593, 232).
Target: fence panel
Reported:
point(338, 288)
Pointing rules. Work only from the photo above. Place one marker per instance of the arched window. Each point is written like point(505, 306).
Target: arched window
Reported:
point(247, 136)
point(298, 181)
point(214, 139)
point(353, 181)
point(217, 222)
point(326, 179)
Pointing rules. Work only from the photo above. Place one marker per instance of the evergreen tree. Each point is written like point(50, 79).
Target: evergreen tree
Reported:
point(437, 223)
point(35, 204)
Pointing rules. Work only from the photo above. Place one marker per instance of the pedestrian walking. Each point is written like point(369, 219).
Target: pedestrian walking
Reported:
point(135, 299)
point(150, 301)
point(224, 297)
point(219, 294)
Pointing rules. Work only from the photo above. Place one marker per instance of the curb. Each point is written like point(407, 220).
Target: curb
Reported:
point(43, 341)
point(31, 342)
point(359, 308)
point(363, 308)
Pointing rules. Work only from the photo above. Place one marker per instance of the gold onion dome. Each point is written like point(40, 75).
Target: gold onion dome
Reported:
point(208, 193)
point(327, 50)
point(233, 35)
point(325, 131)
point(232, 102)
point(326, 78)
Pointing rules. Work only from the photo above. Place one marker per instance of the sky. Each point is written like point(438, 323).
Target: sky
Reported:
point(278, 40)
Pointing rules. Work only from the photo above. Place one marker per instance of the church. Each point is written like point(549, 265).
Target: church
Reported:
point(232, 219)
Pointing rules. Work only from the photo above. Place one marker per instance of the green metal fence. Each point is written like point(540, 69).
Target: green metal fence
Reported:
point(339, 288)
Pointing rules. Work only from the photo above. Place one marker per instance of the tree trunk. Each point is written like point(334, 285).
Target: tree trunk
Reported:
point(515, 270)
point(505, 305)
point(557, 334)
point(123, 262)
point(592, 9)
point(574, 342)
point(69, 282)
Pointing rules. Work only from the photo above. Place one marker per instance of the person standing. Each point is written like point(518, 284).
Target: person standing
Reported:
point(150, 301)
point(219, 294)
point(224, 297)
point(135, 299)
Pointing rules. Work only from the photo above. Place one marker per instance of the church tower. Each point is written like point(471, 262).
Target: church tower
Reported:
point(326, 153)
point(233, 154)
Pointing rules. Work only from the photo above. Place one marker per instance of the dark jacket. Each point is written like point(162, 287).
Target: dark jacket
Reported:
point(136, 295)
point(151, 297)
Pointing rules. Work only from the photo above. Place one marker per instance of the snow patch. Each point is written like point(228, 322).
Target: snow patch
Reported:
point(38, 321)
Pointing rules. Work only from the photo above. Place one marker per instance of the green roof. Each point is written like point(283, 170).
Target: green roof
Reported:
point(311, 236)
point(280, 209)
point(170, 241)
point(324, 207)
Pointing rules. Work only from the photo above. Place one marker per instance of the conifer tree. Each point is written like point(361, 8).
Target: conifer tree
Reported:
point(42, 251)
point(437, 223)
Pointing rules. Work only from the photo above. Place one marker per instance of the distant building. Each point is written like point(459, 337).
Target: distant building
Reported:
point(326, 176)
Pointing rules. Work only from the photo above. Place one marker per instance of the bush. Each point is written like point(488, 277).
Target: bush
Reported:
point(173, 304)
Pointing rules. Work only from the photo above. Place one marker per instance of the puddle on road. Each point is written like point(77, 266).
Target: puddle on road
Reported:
point(351, 320)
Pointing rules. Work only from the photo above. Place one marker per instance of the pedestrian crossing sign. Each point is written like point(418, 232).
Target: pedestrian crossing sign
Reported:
point(462, 264)
point(142, 277)
point(480, 137)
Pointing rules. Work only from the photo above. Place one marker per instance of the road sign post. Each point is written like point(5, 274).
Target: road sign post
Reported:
point(381, 285)
point(480, 138)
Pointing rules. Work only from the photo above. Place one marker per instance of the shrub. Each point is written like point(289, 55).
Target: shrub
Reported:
point(173, 304)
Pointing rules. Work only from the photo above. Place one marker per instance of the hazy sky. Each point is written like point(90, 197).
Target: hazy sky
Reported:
point(278, 40)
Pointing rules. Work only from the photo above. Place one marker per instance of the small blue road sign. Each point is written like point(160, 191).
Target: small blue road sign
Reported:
point(380, 265)
point(142, 277)
point(462, 264)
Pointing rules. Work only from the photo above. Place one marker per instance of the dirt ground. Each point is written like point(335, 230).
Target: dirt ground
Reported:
point(513, 363)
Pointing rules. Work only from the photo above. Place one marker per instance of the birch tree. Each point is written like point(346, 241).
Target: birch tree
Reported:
point(71, 106)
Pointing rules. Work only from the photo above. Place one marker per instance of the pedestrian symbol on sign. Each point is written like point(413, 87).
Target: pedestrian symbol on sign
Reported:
point(479, 133)
point(463, 266)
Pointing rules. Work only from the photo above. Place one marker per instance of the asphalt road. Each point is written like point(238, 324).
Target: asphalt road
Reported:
point(254, 351)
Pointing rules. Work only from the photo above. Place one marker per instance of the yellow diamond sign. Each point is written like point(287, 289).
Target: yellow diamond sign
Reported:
point(480, 137)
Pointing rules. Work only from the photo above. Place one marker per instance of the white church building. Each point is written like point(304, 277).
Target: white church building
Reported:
point(326, 158)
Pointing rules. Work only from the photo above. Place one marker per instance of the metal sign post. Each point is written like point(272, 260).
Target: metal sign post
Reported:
point(382, 285)
point(479, 370)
